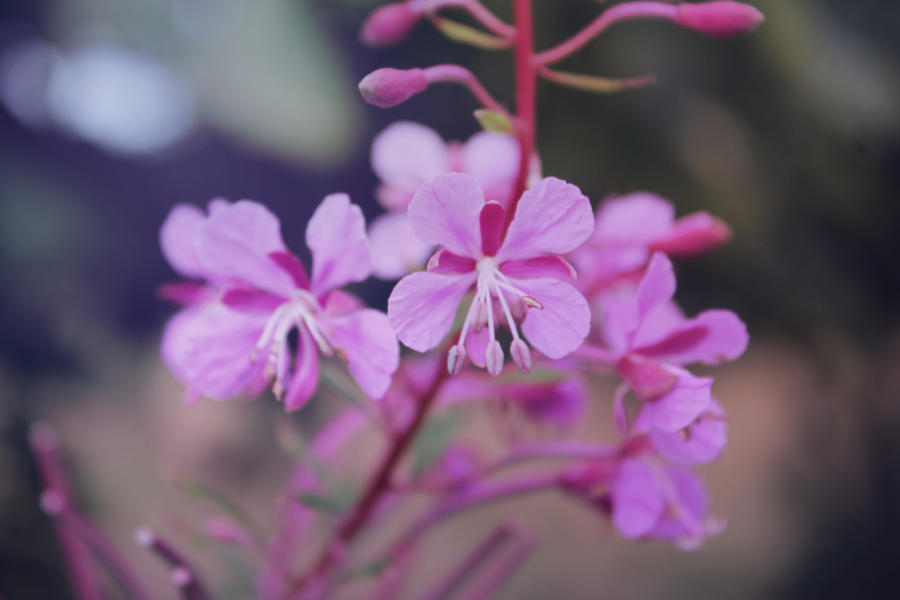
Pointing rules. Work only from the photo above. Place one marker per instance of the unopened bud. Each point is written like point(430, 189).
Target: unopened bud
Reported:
point(182, 577)
point(722, 18)
point(456, 358)
point(521, 355)
point(493, 358)
point(389, 87)
point(389, 24)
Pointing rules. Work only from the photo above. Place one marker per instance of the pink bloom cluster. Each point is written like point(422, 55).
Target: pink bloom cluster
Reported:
point(247, 293)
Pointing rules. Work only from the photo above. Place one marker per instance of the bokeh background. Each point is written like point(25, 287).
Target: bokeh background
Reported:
point(113, 111)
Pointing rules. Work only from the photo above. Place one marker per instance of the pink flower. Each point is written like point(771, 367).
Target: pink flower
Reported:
point(517, 278)
point(699, 443)
point(651, 500)
point(404, 156)
point(650, 340)
point(630, 228)
point(235, 341)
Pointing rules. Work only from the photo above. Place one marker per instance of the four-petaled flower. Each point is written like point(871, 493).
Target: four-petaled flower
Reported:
point(518, 277)
point(234, 338)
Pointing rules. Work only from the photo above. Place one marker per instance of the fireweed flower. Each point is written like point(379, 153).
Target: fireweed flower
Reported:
point(237, 339)
point(517, 278)
point(650, 341)
point(404, 156)
point(628, 229)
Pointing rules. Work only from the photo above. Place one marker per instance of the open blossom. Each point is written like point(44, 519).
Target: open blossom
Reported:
point(233, 339)
point(651, 340)
point(518, 278)
point(630, 228)
point(404, 156)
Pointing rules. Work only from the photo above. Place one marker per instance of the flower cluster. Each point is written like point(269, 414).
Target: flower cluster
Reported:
point(524, 281)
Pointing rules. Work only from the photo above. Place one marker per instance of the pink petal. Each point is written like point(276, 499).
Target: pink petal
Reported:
point(422, 307)
point(492, 159)
point(235, 242)
point(186, 292)
point(649, 379)
point(657, 286)
point(292, 266)
point(638, 502)
point(444, 212)
point(553, 217)
point(446, 263)
point(476, 346)
point(702, 442)
point(250, 300)
point(561, 326)
point(364, 338)
point(395, 248)
point(176, 238)
point(305, 377)
point(208, 347)
point(548, 265)
point(687, 400)
point(633, 219)
point(339, 302)
point(619, 317)
point(712, 337)
point(406, 155)
point(336, 236)
point(693, 235)
point(491, 221)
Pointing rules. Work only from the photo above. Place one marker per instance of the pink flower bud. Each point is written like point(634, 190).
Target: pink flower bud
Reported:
point(389, 24)
point(493, 358)
point(389, 87)
point(521, 355)
point(722, 18)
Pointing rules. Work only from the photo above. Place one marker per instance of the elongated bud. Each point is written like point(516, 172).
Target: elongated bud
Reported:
point(456, 359)
point(493, 358)
point(389, 87)
point(722, 18)
point(521, 355)
point(389, 24)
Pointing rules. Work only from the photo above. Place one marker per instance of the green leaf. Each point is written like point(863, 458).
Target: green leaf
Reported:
point(225, 504)
point(432, 442)
point(492, 120)
point(462, 33)
point(370, 569)
point(333, 504)
point(600, 85)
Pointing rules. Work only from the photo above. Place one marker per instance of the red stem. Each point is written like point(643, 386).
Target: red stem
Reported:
point(378, 485)
point(526, 97)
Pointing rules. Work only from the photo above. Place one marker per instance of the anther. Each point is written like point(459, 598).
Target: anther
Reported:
point(456, 358)
point(531, 302)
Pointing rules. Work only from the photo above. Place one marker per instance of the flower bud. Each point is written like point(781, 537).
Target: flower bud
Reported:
point(493, 358)
point(521, 355)
point(389, 87)
point(722, 18)
point(389, 24)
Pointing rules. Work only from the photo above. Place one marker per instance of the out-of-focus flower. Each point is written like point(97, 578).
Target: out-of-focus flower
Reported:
point(404, 156)
point(650, 340)
point(630, 228)
point(519, 277)
point(234, 340)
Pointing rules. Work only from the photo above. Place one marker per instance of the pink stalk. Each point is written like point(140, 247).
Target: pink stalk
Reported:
point(78, 565)
point(479, 11)
point(183, 576)
point(96, 542)
point(526, 98)
point(463, 76)
point(500, 573)
point(615, 14)
point(379, 485)
point(470, 563)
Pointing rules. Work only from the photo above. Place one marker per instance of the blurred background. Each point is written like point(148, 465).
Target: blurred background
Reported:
point(113, 111)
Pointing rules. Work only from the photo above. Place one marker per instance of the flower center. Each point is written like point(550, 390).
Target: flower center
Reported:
point(300, 312)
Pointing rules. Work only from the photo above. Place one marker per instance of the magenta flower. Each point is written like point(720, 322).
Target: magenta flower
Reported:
point(651, 500)
point(630, 228)
point(404, 156)
point(517, 278)
point(235, 341)
point(699, 443)
point(651, 340)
